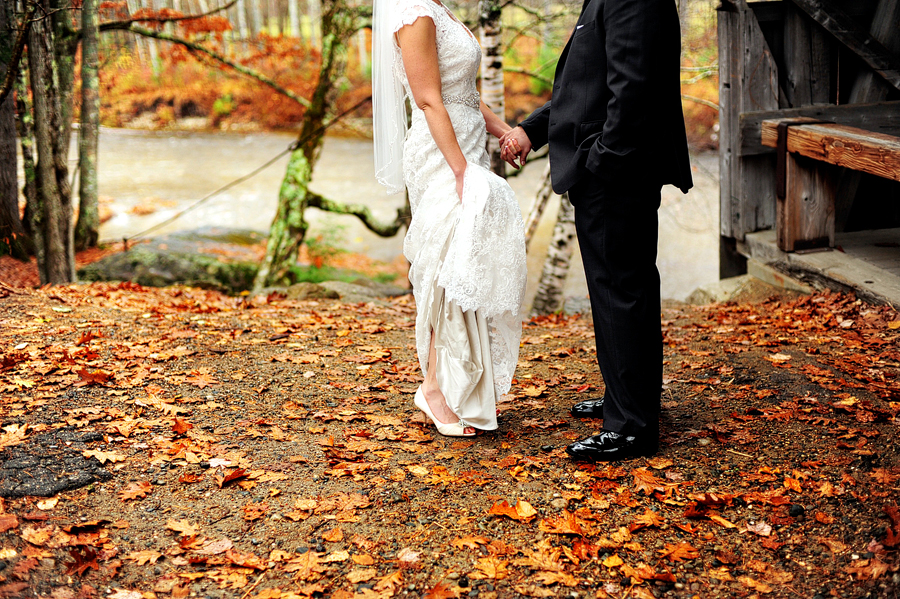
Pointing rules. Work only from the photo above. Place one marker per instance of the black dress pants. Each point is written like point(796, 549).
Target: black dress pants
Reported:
point(617, 229)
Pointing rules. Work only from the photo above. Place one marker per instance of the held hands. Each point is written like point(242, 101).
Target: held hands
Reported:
point(514, 144)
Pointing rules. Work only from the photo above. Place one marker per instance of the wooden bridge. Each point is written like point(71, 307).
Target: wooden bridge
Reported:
point(810, 141)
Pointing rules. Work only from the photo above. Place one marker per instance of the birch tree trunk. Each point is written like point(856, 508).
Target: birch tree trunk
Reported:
point(87, 231)
point(545, 190)
point(12, 234)
point(489, 12)
point(294, 18)
point(134, 6)
point(52, 216)
point(549, 296)
point(25, 129)
point(314, 8)
point(241, 9)
point(256, 16)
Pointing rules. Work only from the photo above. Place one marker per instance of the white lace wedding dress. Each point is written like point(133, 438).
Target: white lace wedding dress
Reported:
point(467, 258)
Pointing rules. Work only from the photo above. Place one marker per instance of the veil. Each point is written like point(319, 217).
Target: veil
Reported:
point(388, 106)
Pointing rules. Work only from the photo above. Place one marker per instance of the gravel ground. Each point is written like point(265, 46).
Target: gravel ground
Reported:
point(208, 446)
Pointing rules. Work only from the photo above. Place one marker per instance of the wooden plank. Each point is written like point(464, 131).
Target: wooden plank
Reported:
point(882, 117)
point(729, 111)
point(806, 72)
point(848, 147)
point(768, 11)
point(868, 87)
point(748, 80)
point(843, 27)
point(806, 215)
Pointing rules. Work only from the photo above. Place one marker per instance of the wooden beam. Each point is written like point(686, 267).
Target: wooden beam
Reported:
point(881, 117)
point(848, 147)
point(805, 217)
point(842, 27)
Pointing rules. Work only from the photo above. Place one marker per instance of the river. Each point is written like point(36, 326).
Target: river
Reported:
point(146, 177)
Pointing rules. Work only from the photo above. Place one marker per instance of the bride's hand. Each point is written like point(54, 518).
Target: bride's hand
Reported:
point(460, 179)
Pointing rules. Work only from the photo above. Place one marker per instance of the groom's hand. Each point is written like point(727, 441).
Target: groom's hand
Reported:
point(514, 144)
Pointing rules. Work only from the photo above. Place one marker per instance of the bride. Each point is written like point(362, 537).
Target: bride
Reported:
point(465, 243)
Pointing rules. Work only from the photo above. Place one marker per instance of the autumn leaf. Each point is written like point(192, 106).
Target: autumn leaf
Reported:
point(254, 511)
point(721, 521)
point(648, 518)
point(441, 591)
point(645, 482)
point(334, 535)
point(523, 511)
point(361, 575)
point(144, 557)
point(305, 566)
point(490, 568)
point(85, 559)
point(613, 561)
point(182, 527)
point(13, 434)
point(8, 522)
point(678, 552)
point(201, 380)
point(136, 491)
point(390, 582)
point(470, 542)
point(181, 426)
point(103, 456)
point(565, 524)
point(760, 528)
point(224, 479)
point(96, 377)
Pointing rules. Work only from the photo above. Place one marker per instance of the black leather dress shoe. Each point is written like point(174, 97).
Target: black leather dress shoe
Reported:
point(589, 408)
point(609, 446)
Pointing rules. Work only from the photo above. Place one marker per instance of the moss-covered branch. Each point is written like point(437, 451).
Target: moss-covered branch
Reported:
point(362, 213)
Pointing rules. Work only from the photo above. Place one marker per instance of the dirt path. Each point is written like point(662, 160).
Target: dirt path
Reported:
point(269, 449)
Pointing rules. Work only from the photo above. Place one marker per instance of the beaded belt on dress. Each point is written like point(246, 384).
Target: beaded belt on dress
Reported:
point(472, 100)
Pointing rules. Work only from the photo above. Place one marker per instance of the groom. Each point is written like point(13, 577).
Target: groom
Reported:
point(616, 132)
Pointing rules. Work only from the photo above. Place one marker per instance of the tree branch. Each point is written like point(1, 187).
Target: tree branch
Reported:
point(362, 213)
point(712, 105)
point(195, 47)
point(12, 70)
point(522, 71)
point(124, 23)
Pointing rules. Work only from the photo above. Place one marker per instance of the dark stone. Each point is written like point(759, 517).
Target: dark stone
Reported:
point(195, 258)
point(44, 465)
point(463, 582)
point(796, 510)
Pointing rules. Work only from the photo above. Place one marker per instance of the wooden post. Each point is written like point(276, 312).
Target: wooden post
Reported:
point(807, 60)
point(806, 213)
point(748, 81)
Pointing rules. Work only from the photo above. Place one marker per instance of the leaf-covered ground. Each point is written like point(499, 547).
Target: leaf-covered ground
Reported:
point(270, 449)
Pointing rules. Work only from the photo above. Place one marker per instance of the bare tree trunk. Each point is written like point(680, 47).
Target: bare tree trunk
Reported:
point(256, 16)
point(87, 231)
point(545, 190)
point(243, 29)
point(549, 296)
point(139, 43)
point(52, 224)
point(12, 234)
point(492, 72)
point(315, 19)
point(294, 17)
point(25, 127)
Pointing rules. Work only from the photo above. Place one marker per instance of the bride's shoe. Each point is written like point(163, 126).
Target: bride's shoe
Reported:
point(452, 429)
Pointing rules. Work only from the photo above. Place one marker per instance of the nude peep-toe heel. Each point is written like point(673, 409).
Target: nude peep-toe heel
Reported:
point(452, 429)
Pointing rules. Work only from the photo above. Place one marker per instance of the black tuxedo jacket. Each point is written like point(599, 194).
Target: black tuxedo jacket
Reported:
point(616, 106)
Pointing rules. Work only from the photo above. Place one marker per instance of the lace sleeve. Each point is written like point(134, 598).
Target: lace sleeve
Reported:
point(408, 11)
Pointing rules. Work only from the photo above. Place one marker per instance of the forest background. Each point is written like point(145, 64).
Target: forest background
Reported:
point(155, 85)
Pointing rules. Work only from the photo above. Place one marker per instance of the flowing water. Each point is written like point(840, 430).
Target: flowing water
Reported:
point(147, 177)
